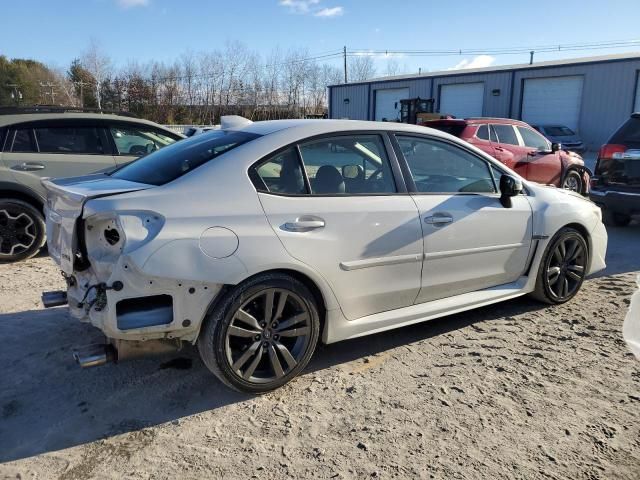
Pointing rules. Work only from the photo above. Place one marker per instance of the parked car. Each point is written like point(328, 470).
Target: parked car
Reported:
point(522, 149)
point(58, 142)
point(616, 182)
point(259, 241)
point(563, 135)
point(191, 131)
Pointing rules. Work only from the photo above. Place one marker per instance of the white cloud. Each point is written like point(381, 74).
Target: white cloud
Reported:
point(311, 7)
point(480, 61)
point(329, 12)
point(298, 6)
point(133, 3)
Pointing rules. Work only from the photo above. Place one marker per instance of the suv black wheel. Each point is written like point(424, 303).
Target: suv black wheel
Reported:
point(262, 334)
point(573, 181)
point(22, 230)
point(563, 267)
point(616, 219)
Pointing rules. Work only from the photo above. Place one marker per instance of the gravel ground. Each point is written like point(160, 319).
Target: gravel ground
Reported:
point(515, 390)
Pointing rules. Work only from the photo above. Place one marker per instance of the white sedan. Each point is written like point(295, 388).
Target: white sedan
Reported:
point(259, 240)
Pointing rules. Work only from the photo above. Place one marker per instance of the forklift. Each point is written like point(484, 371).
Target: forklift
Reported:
point(418, 110)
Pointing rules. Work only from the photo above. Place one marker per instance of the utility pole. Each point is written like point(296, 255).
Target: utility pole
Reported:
point(16, 94)
point(531, 57)
point(81, 84)
point(344, 55)
point(51, 92)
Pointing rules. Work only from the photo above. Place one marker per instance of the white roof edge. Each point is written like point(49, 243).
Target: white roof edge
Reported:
point(498, 68)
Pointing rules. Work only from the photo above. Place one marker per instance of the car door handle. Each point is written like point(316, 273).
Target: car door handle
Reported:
point(499, 149)
point(28, 167)
point(304, 224)
point(438, 220)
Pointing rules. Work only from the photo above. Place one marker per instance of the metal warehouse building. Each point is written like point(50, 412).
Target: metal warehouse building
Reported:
point(591, 95)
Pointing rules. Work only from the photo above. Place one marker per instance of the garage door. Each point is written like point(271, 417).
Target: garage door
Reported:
point(463, 100)
point(388, 103)
point(552, 100)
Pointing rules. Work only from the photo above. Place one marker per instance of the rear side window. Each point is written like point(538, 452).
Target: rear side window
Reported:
point(136, 141)
point(629, 133)
point(164, 166)
point(71, 140)
point(350, 164)
point(23, 141)
point(506, 134)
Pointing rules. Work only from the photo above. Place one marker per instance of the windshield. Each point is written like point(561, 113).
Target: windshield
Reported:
point(559, 131)
point(164, 166)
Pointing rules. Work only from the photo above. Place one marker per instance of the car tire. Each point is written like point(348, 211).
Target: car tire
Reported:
point(253, 347)
point(22, 230)
point(563, 267)
point(614, 219)
point(573, 181)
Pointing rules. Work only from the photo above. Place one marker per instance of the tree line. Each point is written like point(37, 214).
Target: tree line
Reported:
point(196, 88)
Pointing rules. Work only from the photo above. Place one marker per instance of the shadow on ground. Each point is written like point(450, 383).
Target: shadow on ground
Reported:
point(48, 403)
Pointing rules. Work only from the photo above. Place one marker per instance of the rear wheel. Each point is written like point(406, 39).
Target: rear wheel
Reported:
point(573, 181)
point(22, 230)
point(262, 334)
point(563, 267)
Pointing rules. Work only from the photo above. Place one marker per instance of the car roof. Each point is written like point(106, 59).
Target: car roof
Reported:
point(320, 126)
point(477, 121)
point(18, 118)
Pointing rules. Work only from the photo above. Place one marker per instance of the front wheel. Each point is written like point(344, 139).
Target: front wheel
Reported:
point(573, 181)
point(22, 230)
point(262, 334)
point(563, 267)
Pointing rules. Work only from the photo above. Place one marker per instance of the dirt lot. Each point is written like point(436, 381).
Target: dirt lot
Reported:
point(516, 390)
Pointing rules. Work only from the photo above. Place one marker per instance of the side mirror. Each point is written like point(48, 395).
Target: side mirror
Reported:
point(556, 147)
point(509, 187)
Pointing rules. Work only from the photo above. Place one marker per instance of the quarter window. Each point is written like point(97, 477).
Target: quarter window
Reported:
point(138, 141)
point(281, 173)
point(506, 134)
point(533, 139)
point(355, 164)
point(439, 167)
point(23, 141)
point(483, 132)
point(74, 140)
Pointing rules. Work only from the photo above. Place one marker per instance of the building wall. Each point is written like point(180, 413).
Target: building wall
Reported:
point(607, 98)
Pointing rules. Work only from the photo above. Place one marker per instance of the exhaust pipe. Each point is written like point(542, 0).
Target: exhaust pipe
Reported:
point(94, 356)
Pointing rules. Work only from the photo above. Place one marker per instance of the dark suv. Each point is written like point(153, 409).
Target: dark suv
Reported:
point(615, 185)
point(42, 142)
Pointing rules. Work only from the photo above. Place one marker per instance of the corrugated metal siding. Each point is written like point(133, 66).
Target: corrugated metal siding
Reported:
point(607, 99)
point(356, 109)
point(493, 106)
point(607, 96)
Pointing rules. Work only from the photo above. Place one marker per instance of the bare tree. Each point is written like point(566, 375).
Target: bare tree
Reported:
point(360, 68)
point(96, 61)
point(392, 68)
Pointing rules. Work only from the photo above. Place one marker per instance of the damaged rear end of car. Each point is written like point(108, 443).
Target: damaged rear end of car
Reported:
point(105, 232)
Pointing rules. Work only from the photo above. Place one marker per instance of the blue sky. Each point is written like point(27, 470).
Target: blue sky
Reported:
point(56, 31)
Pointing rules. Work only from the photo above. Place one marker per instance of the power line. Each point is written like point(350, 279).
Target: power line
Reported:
point(499, 51)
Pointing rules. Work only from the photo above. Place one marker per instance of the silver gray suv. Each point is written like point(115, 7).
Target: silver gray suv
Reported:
point(59, 142)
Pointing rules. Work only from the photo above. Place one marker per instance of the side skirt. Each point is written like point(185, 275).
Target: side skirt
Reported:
point(341, 329)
